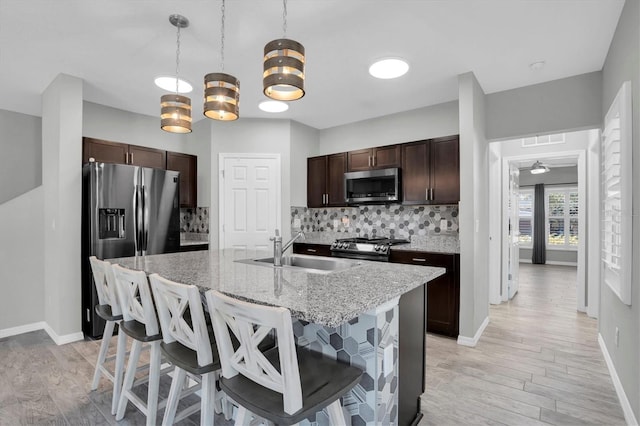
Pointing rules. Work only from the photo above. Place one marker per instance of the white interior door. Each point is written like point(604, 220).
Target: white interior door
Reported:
point(249, 200)
point(514, 230)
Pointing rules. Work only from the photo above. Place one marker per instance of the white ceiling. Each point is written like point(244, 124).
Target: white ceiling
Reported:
point(119, 46)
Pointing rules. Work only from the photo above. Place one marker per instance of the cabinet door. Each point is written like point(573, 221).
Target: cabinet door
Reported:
point(187, 165)
point(415, 172)
point(387, 156)
point(336, 166)
point(443, 292)
point(104, 151)
point(316, 181)
point(359, 160)
point(147, 157)
point(445, 171)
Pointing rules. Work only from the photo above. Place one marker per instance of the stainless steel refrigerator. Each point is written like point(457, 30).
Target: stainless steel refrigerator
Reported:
point(126, 211)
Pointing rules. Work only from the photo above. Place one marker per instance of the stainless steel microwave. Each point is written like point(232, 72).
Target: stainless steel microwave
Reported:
point(372, 186)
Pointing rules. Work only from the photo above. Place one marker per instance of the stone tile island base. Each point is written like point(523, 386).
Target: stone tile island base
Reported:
point(369, 341)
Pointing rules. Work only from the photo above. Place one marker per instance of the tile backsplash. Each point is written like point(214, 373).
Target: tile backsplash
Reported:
point(382, 220)
point(194, 220)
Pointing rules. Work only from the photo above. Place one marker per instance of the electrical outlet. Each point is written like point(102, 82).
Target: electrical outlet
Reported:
point(617, 337)
point(296, 223)
point(336, 223)
point(443, 223)
point(345, 220)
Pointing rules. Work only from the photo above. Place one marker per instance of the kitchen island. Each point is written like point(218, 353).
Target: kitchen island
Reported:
point(353, 315)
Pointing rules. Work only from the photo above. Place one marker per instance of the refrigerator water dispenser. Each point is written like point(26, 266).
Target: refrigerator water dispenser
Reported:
point(111, 223)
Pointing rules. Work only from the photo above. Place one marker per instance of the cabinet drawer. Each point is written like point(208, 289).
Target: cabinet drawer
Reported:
point(423, 258)
point(312, 249)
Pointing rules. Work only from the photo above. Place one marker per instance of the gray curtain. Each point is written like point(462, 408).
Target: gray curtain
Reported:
point(539, 248)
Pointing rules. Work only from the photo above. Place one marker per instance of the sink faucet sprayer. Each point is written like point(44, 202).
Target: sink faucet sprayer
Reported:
point(279, 249)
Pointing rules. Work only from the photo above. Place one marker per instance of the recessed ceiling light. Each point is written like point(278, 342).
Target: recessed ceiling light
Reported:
point(538, 65)
point(169, 84)
point(389, 68)
point(273, 106)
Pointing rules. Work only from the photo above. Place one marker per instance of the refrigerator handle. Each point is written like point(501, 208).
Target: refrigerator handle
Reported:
point(136, 219)
point(145, 220)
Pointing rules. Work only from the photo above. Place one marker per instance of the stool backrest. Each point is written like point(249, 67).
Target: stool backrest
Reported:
point(173, 301)
point(251, 323)
point(135, 298)
point(105, 284)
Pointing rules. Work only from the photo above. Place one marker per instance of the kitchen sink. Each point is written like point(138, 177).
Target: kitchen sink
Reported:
point(314, 264)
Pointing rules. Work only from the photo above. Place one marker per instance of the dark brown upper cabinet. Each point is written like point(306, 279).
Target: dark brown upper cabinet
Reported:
point(381, 157)
point(121, 153)
point(325, 180)
point(187, 165)
point(431, 171)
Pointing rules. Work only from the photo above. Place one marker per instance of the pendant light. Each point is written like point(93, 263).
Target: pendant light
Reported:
point(538, 168)
point(175, 113)
point(221, 91)
point(283, 76)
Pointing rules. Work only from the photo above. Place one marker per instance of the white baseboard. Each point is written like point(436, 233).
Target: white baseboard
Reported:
point(629, 417)
point(473, 341)
point(28, 328)
point(41, 325)
point(62, 340)
point(551, 262)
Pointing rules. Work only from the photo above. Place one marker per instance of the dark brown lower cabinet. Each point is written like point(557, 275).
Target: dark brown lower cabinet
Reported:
point(443, 293)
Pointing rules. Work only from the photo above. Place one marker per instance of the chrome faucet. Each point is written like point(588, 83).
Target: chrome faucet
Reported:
point(279, 249)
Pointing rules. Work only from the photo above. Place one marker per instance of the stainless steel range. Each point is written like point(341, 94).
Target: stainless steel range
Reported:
point(365, 248)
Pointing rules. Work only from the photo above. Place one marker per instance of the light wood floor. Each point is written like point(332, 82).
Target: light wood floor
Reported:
point(538, 362)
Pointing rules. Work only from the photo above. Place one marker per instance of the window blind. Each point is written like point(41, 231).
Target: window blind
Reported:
point(616, 195)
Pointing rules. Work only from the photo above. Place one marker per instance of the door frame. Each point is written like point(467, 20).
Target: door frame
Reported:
point(581, 284)
point(222, 157)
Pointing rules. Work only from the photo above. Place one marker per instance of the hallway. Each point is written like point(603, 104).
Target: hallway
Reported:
point(537, 362)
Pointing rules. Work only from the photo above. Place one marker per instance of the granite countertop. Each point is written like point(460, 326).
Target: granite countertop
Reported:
point(326, 299)
point(434, 243)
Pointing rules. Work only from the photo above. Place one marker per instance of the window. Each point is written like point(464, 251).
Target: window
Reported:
point(525, 218)
point(616, 195)
point(562, 217)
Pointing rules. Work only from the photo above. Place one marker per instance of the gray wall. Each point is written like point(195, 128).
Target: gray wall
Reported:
point(103, 122)
point(621, 65)
point(21, 161)
point(304, 144)
point(474, 209)
point(408, 126)
point(567, 104)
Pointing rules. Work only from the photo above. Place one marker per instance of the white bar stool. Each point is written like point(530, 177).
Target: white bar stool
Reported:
point(283, 385)
point(187, 344)
point(108, 309)
point(140, 323)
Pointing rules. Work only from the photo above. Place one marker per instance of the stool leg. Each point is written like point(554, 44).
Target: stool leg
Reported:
point(336, 415)
point(242, 416)
point(154, 383)
point(130, 375)
point(208, 397)
point(118, 374)
point(104, 348)
point(177, 383)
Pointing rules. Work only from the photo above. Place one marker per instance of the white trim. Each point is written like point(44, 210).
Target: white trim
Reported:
point(21, 329)
point(629, 417)
point(28, 328)
point(62, 340)
point(473, 341)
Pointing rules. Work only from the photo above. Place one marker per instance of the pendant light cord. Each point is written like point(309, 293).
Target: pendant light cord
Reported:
point(284, 18)
point(177, 56)
point(222, 9)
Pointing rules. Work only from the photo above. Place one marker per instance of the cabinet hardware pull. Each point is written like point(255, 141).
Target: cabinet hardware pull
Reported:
point(417, 259)
point(311, 250)
point(131, 155)
point(426, 194)
point(373, 161)
point(369, 158)
point(431, 194)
